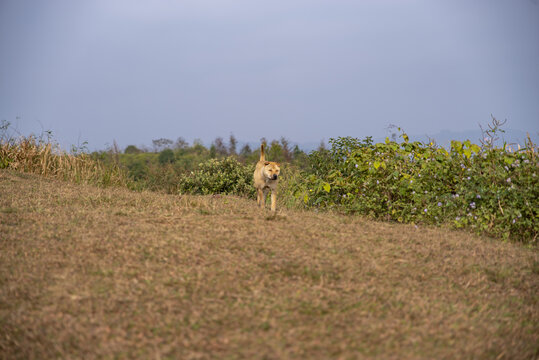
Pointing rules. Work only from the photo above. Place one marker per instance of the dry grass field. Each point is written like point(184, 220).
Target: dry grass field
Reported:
point(87, 272)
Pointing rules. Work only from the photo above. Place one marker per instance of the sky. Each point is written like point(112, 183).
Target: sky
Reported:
point(132, 71)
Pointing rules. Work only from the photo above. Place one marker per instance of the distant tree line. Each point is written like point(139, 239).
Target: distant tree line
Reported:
point(149, 165)
point(171, 151)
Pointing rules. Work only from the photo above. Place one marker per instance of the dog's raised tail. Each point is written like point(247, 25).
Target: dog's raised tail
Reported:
point(262, 157)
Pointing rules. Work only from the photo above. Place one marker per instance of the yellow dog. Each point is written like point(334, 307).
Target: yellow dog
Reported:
point(266, 177)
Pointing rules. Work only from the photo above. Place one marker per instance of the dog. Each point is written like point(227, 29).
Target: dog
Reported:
point(266, 178)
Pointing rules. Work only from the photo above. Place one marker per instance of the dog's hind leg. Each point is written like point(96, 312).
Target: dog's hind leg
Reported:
point(273, 200)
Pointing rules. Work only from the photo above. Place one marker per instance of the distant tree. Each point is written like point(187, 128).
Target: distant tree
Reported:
point(275, 152)
point(145, 148)
point(300, 158)
point(198, 147)
point(166, 157)
point(220, 147)
point(132, 149)
point(287, 152)
point(213, 152)
point(181, 144)
point(232, 143)
point(297, 151)
point(322, 146)
point(161, 144)
point(245, 151)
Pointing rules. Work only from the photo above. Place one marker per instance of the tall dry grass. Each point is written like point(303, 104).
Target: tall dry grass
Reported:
point(36, 155)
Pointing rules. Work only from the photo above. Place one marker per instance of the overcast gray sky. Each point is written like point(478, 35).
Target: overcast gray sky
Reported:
point(133, 71)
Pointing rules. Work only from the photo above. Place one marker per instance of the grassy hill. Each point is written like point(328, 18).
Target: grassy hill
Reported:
point(109, 273)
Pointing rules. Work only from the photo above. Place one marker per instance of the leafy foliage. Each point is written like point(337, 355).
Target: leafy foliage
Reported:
point(491, 190)
point(166, 157)
point(132, 149)
point(225, 176)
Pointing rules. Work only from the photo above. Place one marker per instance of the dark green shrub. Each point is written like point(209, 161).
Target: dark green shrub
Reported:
point(137, 170)
point(166, 157)
point(132, 149)
point(219, 176)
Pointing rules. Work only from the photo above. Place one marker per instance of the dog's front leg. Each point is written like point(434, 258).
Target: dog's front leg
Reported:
point(273, 200)
point(260, 198)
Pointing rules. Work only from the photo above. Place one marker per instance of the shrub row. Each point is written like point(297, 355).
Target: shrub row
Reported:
point(492, 190)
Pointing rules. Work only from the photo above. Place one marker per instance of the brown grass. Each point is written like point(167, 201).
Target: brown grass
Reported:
point(87, 272)
point(33, 155)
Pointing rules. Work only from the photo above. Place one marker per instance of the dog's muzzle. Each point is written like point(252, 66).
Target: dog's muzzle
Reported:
point(274, 177)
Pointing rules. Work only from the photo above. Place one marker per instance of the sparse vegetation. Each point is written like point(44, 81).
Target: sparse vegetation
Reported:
point(40, 155)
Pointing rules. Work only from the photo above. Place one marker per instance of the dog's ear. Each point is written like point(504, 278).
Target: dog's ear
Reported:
point(267, 162)
point(279, 165)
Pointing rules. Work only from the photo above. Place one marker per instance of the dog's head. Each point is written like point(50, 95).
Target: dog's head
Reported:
point(272, 170)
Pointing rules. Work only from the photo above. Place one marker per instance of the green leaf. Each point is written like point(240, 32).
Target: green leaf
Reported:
point(508, 160)
point(376, 164)
point(405, 137)
point(327, 187)
point(467, 153)
point(457, 146)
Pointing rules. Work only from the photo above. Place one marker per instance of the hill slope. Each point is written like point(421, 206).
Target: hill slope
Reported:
point(112, 273)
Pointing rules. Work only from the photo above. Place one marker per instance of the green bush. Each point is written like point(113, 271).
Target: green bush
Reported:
point(132, 149)
point(219, 176)
point(166, 157)
point(491, 190)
